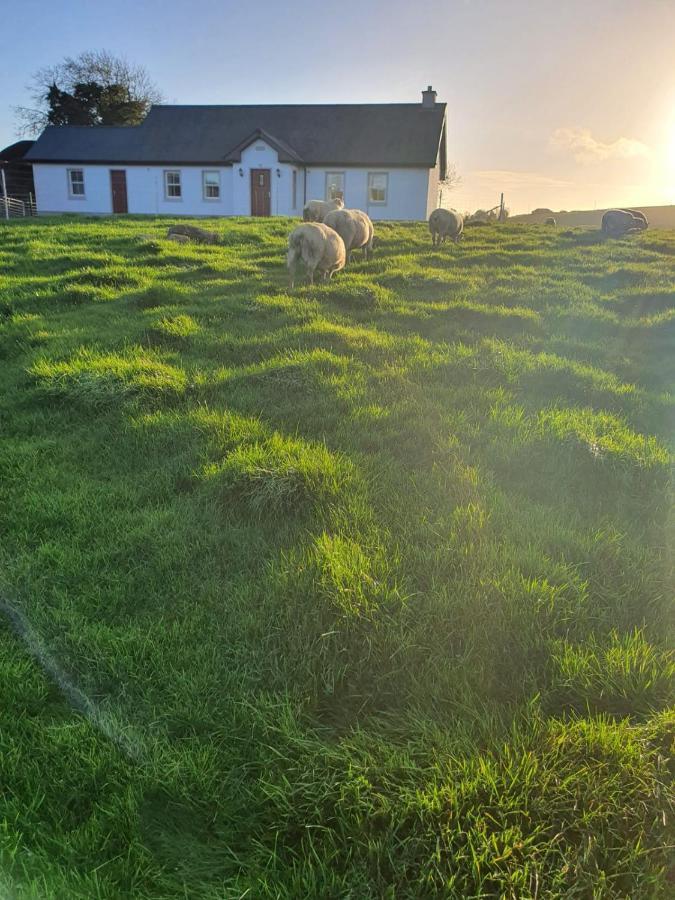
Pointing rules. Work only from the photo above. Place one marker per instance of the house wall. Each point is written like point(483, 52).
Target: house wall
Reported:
point(260, 155)
point(51, 190)
point(409, 193)
point(432, 196)
point(145, 191)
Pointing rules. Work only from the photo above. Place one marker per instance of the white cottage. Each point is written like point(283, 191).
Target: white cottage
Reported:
point(386, 159)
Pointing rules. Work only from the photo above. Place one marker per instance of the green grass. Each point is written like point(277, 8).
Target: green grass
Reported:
point(360, 591)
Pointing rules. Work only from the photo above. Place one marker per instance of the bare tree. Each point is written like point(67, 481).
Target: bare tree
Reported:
point(99, 67)
point(445, 185)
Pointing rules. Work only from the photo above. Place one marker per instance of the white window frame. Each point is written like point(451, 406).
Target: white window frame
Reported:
point(167, 196)
point(384, 202)
point(205, 195)
point(71, 194)
point(328, 177)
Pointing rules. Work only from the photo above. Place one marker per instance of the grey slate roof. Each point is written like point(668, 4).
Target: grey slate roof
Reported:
point(396, 134)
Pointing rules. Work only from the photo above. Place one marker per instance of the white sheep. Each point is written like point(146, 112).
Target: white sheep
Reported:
point(316, 210)
point(445, 223)
point(616, 222)
point(638, 215)
point(318, 247)
point(355, 229)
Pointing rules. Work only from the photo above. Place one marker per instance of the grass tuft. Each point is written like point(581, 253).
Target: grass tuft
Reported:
point(280, 476)
point(101, 379)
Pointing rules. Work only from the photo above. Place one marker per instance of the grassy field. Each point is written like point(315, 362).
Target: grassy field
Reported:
point(362, 591)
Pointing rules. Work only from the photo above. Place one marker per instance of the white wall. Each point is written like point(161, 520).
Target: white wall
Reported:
point(52, 195)
point(259, 155)
point(432, 197)
point(145, 191)
point(409, 195)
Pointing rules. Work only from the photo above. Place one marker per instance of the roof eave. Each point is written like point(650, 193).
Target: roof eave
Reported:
point(70, 161)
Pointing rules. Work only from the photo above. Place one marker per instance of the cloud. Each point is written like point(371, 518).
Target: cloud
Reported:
point(586, 149)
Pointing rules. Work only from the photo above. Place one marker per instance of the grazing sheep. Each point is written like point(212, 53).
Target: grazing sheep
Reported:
point(318, 247)
point(616, 222)
point(355, 229)
point(199, 235)
point(481, 217)
point(316, 210)
point(638, 215)
point(550, 221)
point(178, 238)
point(445, 223)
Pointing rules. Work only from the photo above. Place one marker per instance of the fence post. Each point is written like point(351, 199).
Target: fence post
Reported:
point(32, 204)
point(4, 193)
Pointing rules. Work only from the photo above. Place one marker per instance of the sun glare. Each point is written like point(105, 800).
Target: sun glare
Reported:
point(670, 158)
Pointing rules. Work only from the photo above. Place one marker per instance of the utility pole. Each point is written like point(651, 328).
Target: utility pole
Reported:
point(501, 207)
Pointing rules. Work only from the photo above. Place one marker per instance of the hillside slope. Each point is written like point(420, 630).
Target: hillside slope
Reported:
point(659, 217)
point(359, 591)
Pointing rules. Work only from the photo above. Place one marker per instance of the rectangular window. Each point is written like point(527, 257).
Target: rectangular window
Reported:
point(172, 188)
point(377, 187)
point(294, 190)
point(211, 185)
point(335, 185)
point(76, 182)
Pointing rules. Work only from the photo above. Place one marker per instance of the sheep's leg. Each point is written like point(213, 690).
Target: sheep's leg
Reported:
point(292, 268)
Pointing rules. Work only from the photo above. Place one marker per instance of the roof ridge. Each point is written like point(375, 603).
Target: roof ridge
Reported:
point(272, 106)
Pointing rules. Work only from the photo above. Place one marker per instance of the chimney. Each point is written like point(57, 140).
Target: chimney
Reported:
point(429, 97)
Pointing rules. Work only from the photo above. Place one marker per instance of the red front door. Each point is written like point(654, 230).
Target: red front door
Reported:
point(260, 192)
point(118, 186)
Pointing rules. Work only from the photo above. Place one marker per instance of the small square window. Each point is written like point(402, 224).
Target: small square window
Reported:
point(335, 185)
point(211, 185)
point(377, 187)
point(172, 186)
point(76, 182)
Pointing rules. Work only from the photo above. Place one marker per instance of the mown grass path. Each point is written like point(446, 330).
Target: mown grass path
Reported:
point(367, 588)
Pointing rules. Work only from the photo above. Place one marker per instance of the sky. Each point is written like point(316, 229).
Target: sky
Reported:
point(566, 104)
